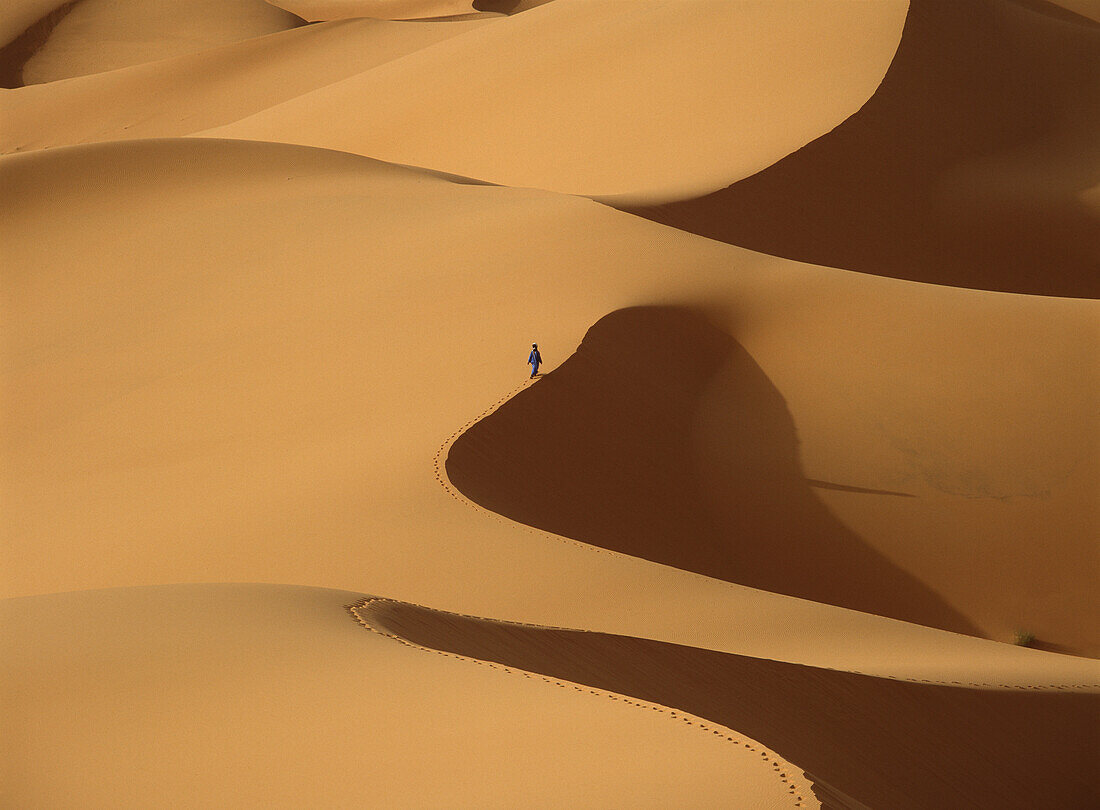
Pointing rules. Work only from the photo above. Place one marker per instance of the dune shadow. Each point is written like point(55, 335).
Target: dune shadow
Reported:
point(879, 742)
point(507, 6)
point(1050, 646)
point(662, 438)
point(900, 188)
point(15, 54)
point(499, 6)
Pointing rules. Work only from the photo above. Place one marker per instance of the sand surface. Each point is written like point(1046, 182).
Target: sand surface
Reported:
point(260, 696)
point(578, 121)
point(193, 92)
point(772, 515)
point(91, 36)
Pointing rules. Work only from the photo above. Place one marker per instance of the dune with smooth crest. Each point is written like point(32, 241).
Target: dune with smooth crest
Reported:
point(188, 93)
point(537, 99)
point(262, 695)
point(91, 36)
point(863, 741)
point(967, 167)
point(756, 536)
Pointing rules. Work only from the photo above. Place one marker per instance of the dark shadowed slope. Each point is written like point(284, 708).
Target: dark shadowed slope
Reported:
point(605, 450)
point(883, 743)
point(964, 168)
point(15, 54)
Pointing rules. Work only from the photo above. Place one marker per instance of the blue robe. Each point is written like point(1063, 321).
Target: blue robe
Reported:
point(534, 360)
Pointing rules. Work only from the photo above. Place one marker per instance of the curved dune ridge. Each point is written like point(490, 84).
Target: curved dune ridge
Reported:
point(206, 402)
point(92, 36)
point(537, 99)
point(863, 741)
point(193, 92)
point(756, 536)
point(967, 167)
point(205, 693)
point(611, 448)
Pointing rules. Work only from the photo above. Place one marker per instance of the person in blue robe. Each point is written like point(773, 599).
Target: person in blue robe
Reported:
point(534, 359)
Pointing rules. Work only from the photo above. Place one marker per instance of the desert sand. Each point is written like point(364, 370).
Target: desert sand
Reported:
point(287, 524)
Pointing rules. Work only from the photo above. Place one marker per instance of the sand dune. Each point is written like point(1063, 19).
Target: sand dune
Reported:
point(286, 367)
point(755, 538)
point(878, 742)
point(92, 36)
point(503, 105)
point(965, 168)
point(625, 410)
point(271, 696)
point(193, 92)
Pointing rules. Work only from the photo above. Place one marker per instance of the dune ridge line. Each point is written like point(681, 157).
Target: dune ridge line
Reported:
point(439, 465)
point(454, 492)
point(780, 767)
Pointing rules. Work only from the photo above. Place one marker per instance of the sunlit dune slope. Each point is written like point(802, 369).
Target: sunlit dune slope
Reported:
point(196, 91)
point(401, 9)
point(91, 36)
point(274, 400)
point(271, 696)
point(967, 167)
point(600, 97)
point(879, 742)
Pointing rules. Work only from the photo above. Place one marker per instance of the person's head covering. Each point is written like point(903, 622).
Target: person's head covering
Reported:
point(534, 345)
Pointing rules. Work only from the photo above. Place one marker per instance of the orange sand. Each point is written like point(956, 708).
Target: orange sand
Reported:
point(790, 513)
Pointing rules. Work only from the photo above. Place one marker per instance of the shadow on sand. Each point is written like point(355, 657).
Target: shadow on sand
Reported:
point(615, 448)
point(15, 54)
point(899, 189)
point(883, 743)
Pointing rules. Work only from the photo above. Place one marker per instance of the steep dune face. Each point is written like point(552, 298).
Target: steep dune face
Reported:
point(965, 168)
point(611, 449)
point(270, 696)
point(878, 742)
point(92, 36)
point(185, 94)
point(588, 96)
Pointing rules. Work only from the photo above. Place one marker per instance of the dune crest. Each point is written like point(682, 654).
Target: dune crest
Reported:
point(881, 743)
point(801, 510)
point(93, 36)
point(184, 94)
point(663, 439)
point(276, 369)
point(964, 168)
point(205, 693)
point(535, 101)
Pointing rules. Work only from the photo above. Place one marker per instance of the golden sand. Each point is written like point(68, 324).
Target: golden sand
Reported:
point(815, 439)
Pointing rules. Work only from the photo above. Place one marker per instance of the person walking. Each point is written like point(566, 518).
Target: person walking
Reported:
point(534, 359)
